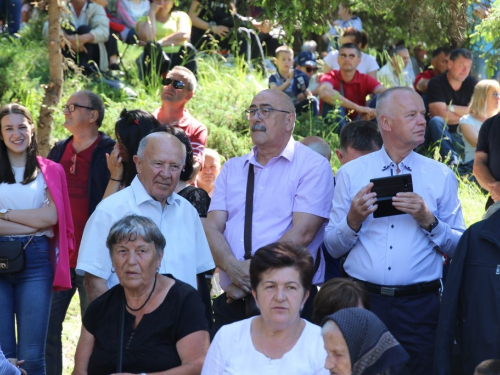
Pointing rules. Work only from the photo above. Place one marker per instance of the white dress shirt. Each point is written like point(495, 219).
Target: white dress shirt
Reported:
point(395, 250)
point(186, 254)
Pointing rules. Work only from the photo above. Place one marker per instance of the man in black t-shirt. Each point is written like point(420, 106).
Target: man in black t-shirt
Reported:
point(449, 95)
point(487, 159)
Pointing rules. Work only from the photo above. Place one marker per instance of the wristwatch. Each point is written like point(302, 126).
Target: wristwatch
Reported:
point(433, 225)
point(3, 212)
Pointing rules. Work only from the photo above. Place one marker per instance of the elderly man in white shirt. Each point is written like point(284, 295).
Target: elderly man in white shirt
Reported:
point(159, 161)
point(398, 258)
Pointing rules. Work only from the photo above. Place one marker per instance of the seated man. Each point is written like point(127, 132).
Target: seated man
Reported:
point(368, 64)
point(439, 62)
point(448, 96)
point(293, 82)
point(348, 86)
point(395, 72)
point(86, 27)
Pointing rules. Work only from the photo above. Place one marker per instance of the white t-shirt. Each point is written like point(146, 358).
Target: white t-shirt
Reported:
point(476, 124)
point(186, 254)
point(368, 62)
point(25, 197)
point(232, 353)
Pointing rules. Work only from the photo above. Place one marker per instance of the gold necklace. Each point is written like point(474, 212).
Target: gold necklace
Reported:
point(261, 342)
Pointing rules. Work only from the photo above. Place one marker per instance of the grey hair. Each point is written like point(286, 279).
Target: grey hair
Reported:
point(95, 101)
point(132, 226)
point(384, 104)
point(191, 78)
point(160, 131)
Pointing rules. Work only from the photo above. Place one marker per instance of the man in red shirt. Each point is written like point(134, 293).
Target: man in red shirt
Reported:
point(349, 87)
point(83, 157)
point(178, 88)
point(439, 62)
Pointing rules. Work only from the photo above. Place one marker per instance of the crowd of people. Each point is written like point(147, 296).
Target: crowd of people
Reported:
point(319, 273)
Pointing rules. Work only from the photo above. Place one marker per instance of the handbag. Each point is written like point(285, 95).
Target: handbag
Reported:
point(12, 257)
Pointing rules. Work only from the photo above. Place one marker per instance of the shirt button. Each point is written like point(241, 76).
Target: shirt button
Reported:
point(242, 240)
point(260, 187)
point(389, 268)
point(392, 226)
point(390, 247)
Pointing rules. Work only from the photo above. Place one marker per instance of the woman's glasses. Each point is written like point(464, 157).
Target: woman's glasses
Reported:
point(178, 85)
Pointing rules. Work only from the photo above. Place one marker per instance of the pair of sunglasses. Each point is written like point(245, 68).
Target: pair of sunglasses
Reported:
point(178, 85)
point(310, 69)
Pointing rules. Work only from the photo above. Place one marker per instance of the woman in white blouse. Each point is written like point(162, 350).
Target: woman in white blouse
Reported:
point(31, 211)
point(484, 104)
point(277, 341)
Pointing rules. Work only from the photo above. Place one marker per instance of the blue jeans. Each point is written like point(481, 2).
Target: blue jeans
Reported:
point(26, 296)
point(60, 304)
point(437, 134)
point(11, 11)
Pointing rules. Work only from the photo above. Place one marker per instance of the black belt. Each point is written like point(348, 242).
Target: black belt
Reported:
point(402, 290)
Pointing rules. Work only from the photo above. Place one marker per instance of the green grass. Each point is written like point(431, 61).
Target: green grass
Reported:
point(223, 94)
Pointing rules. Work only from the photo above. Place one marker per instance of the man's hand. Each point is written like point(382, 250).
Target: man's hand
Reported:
point(75, 45)
point(413, 204)
point(239, 273)
point(494, 190)
point(366, 113)
point(220, 30)
point(15, 362)
point(234, 293)
point(363, 204)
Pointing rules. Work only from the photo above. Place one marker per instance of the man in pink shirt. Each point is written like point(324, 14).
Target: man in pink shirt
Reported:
point(293, 190)
point(178, 88)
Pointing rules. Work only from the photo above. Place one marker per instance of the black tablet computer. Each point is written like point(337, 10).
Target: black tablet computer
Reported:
point(388, 187)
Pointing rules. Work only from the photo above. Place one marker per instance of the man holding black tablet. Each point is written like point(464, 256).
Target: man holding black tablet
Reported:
point(398, 257)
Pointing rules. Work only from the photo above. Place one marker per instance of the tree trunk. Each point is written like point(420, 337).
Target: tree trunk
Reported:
point(53, 89)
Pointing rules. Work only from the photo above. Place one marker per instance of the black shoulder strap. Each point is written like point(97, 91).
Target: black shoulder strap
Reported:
point(247, 240)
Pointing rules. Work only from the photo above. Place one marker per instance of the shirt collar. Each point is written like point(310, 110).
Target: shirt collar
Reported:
point(354, 79)
point(287, 153)
point(141, 195)
point(405, 165)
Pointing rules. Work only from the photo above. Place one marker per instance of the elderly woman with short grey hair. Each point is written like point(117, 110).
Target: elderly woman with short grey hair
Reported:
point(149, 323)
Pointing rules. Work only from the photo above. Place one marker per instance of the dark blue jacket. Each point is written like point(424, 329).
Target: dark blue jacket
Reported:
point(470, 306)
point(99, 172)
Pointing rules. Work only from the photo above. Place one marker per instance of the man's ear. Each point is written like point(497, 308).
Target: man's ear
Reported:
point(339, 154)
point(137, 161)
point(290, 122)
point(190, 95)
point(384, 123)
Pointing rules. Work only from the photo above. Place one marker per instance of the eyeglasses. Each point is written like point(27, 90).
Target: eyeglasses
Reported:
point(350, 56)
point(72, 169)
point(310, 69)
point(178, 85)
point(71, 107)
point(263, 113)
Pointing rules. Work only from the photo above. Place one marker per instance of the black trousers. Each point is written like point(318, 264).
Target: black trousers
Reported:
point(225, 313)
point(156, 61)
point(83, 59)
point(412, 320)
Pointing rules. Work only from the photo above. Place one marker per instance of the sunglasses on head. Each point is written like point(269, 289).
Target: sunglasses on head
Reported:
point(310, 69)
point(179, 85)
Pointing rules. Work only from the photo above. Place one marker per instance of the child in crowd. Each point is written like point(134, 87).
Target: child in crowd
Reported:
point(292, 81)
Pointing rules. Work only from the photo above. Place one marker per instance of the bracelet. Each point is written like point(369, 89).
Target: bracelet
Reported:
point(211, 24)
point(112, 179)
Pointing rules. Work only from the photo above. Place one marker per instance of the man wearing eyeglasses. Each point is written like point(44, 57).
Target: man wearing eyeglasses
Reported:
point(179, 86)
point(83, 157)
point(349, 87)
point(292, 193)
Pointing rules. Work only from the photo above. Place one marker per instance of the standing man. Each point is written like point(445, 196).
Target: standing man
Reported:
point(348, 86)
point(449, 95)
point(83, 157)
point(293, 190)
point(159, 162)
point(178, 89)
point(398, 258)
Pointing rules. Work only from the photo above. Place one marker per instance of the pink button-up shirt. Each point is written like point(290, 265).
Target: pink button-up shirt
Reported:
point(298, 180)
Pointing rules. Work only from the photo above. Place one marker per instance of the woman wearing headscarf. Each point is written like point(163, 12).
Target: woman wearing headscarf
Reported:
point(357, 342)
